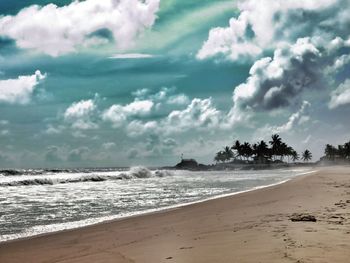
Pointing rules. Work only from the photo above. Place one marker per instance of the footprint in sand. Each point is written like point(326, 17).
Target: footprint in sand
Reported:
point(186, 248)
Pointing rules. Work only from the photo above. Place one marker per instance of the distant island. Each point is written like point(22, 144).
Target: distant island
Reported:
point(263, 155)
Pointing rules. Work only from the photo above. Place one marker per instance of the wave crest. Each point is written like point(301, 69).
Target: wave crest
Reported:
point(134, 173)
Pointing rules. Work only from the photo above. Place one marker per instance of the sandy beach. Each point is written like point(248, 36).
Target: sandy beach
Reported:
point(249, 227)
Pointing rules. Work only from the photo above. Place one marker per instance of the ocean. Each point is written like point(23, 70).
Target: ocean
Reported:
point(34, 202)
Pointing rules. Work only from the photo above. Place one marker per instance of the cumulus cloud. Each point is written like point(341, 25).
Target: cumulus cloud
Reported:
point(166, 99)
point(80, 23)
point(20, 90)
point(180, 99)
point(200, 113)
point(138, 128)
point(310, 45)
point(275, 82)
point(146, 102)
point(79, 115)
point(340, 96)
point(265, 25)
point(163, 96)
point(118, 114)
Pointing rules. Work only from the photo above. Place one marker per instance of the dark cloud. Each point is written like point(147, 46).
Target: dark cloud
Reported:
point(278, 81)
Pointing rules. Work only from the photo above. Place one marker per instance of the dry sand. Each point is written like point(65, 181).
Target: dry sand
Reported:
point(249, 227)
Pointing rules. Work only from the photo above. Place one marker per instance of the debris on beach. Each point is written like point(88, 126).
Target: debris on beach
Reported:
point(303, 218)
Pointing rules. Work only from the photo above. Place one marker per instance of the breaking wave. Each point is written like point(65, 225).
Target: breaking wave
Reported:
point(133, 173)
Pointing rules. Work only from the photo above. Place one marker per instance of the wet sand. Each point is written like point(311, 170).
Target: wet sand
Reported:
point(248, 227)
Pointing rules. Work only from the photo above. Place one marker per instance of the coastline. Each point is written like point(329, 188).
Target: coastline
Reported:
point(182, 232)
point(111, 219)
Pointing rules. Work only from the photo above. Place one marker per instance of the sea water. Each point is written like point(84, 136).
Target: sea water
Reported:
point(34, 202)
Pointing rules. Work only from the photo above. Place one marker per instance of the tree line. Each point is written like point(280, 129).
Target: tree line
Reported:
point(261, 152)
point(341, 152)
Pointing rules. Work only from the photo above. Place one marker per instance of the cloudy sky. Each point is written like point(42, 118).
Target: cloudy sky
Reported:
point(126, 82)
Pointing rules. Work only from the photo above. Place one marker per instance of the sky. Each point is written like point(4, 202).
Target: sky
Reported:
point(98, 83)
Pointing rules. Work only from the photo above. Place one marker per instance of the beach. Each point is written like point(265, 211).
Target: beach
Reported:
point(254, 226)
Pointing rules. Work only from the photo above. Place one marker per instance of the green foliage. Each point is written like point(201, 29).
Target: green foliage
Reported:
point(307, 156)
point(341, 152)
point(258, 152)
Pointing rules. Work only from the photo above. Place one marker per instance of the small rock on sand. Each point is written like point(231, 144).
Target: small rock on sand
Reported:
point(303, 218)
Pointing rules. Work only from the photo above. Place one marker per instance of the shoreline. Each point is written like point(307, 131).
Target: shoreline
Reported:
point(166, 209)
point(236, 226)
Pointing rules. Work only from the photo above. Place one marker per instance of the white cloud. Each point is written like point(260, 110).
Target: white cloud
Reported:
point(79, 115)
point(137, 128)
point(200, 113)
point(340, 96)
point(118, 114)
point(180, 99)
point(296, 119)
point(131, 56)
point(307, 139)
point(140, 93)
point(79, 109)
point(108, 145)
point(265, 25)
point(51, 130)
point(4, 132)
point(75, 24)
point(20, 90)
point(338, 64)
point(115, 115)
point(138, 108)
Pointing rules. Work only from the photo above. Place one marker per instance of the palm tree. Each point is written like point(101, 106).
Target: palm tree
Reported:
point(275, 144)
point(347, 149)
point(228, 153)
point(330, 152)
point(295, 156)
point(247, 150)
point(307, 155)
point(341, 151)
point(283, 150)
point(237, 146)
point(262, 151)
point(220, 157)
point(217, 157)
point(289, 152)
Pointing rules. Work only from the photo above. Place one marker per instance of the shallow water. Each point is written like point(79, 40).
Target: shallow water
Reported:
point(33, 202)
